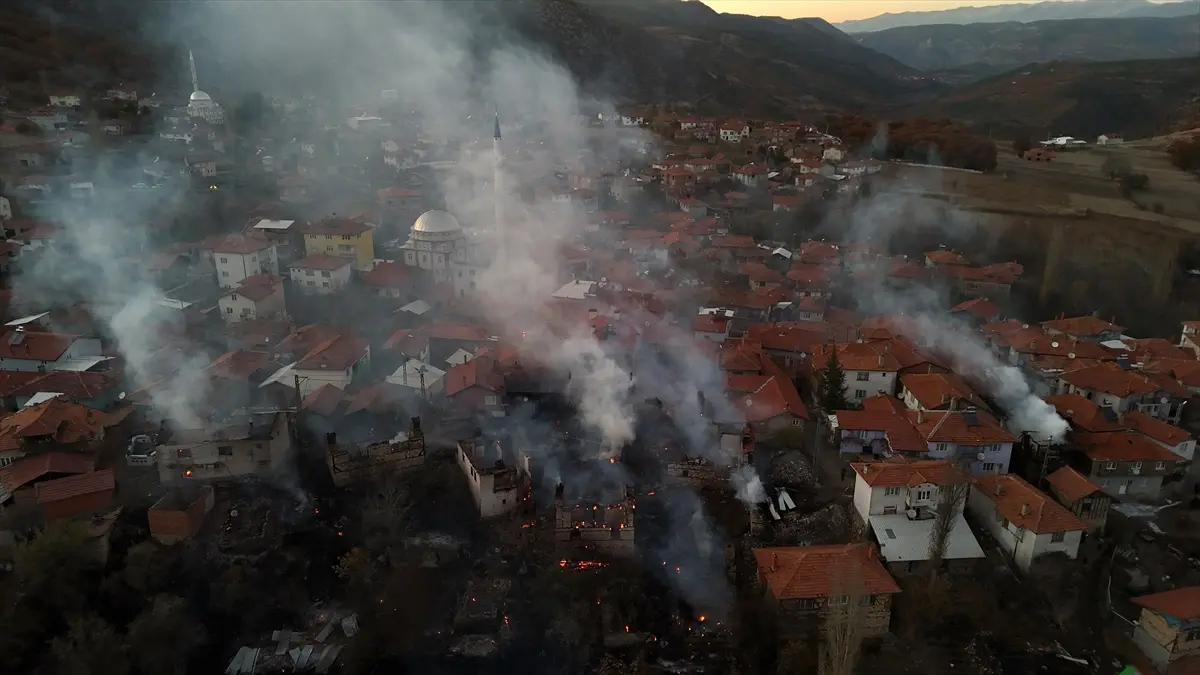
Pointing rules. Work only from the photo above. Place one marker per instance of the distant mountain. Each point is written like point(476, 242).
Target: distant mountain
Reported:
point(1026, 12)
point(998, 47)
point(1143, 97)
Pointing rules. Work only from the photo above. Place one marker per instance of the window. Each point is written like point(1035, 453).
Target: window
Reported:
point(224, 259)
point(325, 274)
point(805, 603)
point(1058, 537)
point(924, 495)
point(863, 377)
point(989, 466)
point(345, 237)
point(225, 450)
point(325, 284)
point(1193, 634)
point(891, 492)
point(860, 393)
point(889, 510)
point(1160, 465)
point(797, 422)
point(229, 310)
point(942, 447)
point(839, 600)
point(5, 461)
point(224, 273)
point(1110, 466)
point(1137, 466)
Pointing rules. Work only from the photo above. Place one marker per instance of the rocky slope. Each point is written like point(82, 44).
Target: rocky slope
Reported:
point(1025, 12)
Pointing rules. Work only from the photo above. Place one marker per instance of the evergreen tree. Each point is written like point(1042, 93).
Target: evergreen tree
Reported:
point(831, 386)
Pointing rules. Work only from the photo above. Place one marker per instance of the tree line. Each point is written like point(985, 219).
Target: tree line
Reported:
point(916, 139)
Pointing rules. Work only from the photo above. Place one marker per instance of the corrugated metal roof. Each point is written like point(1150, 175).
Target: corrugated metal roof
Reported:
point(904, 540)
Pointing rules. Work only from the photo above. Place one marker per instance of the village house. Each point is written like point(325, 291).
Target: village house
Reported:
point(373, 461)
point(868, 368)
point(1168, 436)
point(388, 279)
point(476, 385)
point(498, 483)
point(880, 429)
point(96, 389)
point(257, 297)
point(734, 131)
point(1168, 629)
point(1190, 337)
point(1111, 139)
point(65, 100)
point(342, 237)
point(833, 153)
point(1081, 496)
point(809, 584)
point(114, 127)
point(759, 389)
point(1085, 328)
point(1117, 386)
point(30, 351)
point(712, 326)
point(54, 424)
point(751, 175)
point(900, 501)
point(336, 360)
point(180, 513)
point(938, 391)
point(295, 189)
point(321, 274)
point(977, 311)
point(1026, 522)
point(971, 438)
point(1124, 463)
point(122, 92)
point(237, 257)
point(240, 447)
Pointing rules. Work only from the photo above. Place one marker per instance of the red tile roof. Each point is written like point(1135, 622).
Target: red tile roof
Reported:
point(238, 365)
point(935, 390)
point(776, 395)
point(55, 419)
point(1081, 326)
point(958, 427)
point(1083, 414)
point(710, 323)
point(34, 346)
point(324, 400)
point(742, 355)
point(866, 356)
point(321, 261)
point(337, 353)
point(1123, 446)
point(74, 486)
point(980, 308)
point(29, 469)
point(900, 433)
point(259, 287)
point(1071, 485)
point(1182, 603)
point(478, 372)
point(760, 273)
point(1167, 434)
point(386, 275)
point(239, 244)
point(72, 384)
point(901, 474)
point(301, 340)
point(1110, 378)
point(802, 572)
point(1026, 506)
point(944, 257)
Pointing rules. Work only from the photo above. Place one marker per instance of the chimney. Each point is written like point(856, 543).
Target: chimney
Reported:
point(416, 424)
point(774, 561)
point(999, 489)
point(871, 552)
point(1123, 361)
point(971, 409)
point(617, 314)
point(887, 348)
point(954, 403)
point(920, 416)
point(881, 360)
point(331, 441)
point(1024, 509)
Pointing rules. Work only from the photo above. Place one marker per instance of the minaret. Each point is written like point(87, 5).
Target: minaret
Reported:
point(192, 66)
point(497, 196)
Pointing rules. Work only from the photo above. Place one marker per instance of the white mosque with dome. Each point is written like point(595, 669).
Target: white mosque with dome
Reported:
point(440, 245)
point(200, 104)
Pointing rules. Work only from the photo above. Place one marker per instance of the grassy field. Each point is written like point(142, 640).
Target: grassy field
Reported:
point(1077, 175)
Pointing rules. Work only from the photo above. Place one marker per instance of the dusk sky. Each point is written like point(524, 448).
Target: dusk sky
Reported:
point(841, 10)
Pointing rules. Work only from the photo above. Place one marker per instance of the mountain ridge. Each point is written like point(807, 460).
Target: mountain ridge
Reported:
point(1025, 13)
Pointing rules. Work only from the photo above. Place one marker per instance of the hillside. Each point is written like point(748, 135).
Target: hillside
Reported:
point(1003, 46)
point(1026, 12)
point(1079, 99)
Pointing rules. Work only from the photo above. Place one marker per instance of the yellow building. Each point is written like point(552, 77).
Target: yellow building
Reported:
point(342, 237)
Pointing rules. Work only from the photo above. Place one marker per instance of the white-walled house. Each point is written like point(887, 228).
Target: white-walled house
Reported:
point(5, 209)
point(899, 501)
point(971, 438)
point(1169, 436)
point(498, 487)
point(257, 297)
point(242, 447)
point(868, 368)
point(1123, 389)
point(238, 257)
point(321, 273)
point(1025, 521)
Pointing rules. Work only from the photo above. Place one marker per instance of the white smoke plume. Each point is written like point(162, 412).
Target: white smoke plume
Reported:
point(749, 486)
point(886, 217)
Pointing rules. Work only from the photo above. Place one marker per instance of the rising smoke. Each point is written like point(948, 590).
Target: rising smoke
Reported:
point(883, 218)
point(452, 65)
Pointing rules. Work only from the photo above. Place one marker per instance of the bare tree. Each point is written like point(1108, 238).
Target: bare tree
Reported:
point(949, 505)
point(385, 513)
point(844, 626)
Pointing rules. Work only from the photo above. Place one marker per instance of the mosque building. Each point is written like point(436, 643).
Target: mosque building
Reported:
point(439, 244)
point(200, 104)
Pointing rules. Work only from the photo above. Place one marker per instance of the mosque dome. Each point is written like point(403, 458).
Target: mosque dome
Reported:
point(198, 96)
point(436, 222)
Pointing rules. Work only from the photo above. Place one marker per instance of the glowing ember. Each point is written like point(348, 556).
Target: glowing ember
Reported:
point(702, 618)
point(612, 460)
point(677, 570)
point(582, 565)
point(626, 629)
